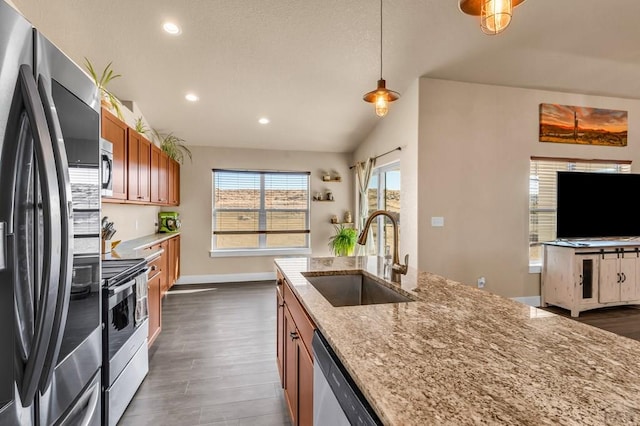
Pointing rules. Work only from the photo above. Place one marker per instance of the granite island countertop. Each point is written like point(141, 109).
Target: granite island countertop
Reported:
point(459, 355)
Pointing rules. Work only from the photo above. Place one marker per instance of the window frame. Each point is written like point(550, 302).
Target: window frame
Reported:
point(380, 172)
point(262, 213)
point(570, 164)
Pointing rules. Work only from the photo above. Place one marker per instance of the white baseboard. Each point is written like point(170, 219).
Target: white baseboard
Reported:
point(225, 278)
point(528, 300)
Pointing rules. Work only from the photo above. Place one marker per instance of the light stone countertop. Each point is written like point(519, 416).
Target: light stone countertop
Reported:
point(138, 247)
point(459, 355)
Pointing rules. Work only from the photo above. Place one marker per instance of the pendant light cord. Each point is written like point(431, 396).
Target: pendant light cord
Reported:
point(380, 39)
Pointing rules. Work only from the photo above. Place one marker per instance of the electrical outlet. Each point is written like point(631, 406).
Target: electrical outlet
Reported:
point(481, 282)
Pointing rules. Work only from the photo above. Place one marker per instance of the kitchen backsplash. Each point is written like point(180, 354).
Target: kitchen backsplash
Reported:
point(130, 220)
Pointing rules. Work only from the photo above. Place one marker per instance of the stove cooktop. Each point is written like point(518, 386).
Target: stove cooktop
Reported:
point(116, 271)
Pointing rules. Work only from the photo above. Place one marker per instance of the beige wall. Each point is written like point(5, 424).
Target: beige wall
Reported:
point(131, 221)
point(196, 193)
point(400, 128)
point(475, 145)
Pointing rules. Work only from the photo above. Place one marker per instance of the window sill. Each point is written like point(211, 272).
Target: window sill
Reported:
point(260, 252)
point(535, 268)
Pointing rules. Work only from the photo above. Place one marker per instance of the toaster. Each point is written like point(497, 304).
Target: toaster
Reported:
point(168, 222)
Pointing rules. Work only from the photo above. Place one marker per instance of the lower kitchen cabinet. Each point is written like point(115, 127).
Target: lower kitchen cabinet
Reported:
point(154, 299)
point(294, 355)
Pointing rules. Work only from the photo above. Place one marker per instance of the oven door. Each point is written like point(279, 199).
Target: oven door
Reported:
point(124, 328)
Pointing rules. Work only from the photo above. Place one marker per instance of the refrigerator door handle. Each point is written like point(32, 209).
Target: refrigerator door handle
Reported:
point(3, 260)
point(66, 215)
point(45, 310)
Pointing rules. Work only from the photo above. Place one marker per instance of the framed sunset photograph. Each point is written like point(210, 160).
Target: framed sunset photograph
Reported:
point(583, 125)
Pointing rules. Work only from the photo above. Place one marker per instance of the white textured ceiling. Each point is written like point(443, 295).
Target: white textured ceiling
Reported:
point(305, 64)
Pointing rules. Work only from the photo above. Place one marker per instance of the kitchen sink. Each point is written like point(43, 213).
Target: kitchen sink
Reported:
point(354, 289)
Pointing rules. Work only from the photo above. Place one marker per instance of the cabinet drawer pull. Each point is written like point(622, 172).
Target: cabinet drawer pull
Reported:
point(281, 305)
point(293, 335)
point(154, 267)
point(279, 281)
point(581, 279)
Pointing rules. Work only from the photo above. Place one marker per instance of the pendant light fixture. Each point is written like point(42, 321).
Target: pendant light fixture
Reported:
point(495, 15)
point(381, 96)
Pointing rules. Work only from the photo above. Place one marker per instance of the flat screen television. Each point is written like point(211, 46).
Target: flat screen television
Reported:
point(597, 205)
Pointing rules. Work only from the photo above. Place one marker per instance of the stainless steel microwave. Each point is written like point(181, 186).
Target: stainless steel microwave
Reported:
point(106, 167)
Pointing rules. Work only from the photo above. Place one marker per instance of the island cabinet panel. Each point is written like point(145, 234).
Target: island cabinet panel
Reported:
point(294, 353)
point(586, 278)
point(291, 366)
point(280, 330)
point(139, 167)
point(115, 131)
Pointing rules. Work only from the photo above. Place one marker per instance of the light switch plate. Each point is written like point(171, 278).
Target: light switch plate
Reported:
point(437, 221)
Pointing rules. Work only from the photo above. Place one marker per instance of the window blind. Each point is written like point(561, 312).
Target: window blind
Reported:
point(542, 194)
point(260, 209)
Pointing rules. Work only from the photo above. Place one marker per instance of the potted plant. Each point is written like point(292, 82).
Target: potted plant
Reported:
point(107, 98)
point(140, 126)
point(173, 146)
point(343, 241)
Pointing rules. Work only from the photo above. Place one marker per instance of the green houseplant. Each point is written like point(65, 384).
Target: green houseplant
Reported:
point(343, 241)
point(173, 146)
point(140, 126)
point(101, 82)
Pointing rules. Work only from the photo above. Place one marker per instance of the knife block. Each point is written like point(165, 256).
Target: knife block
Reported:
point(106, 246)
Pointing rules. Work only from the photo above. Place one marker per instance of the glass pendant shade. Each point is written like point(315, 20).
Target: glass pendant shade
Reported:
point(381, 98)
point(495, 16)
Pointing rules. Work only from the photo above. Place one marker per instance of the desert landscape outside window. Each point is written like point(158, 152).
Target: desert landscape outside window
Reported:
point(383, 193)
point(260, 210)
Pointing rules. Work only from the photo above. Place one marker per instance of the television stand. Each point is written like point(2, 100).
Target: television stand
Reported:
point(583, 275)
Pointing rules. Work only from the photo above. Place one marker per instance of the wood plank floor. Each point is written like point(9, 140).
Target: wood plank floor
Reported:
point(214, 363)
point(622, 320)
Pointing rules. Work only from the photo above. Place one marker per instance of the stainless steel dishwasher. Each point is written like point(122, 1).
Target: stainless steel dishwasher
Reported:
point(337, 401)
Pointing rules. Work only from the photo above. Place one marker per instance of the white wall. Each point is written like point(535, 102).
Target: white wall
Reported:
point(400, 128)
point(196, 199)
point(475, 143)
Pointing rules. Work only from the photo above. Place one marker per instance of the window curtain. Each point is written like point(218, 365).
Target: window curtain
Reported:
point(363, 174)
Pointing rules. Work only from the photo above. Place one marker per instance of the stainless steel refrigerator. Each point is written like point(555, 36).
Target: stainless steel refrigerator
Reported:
point(50, 332)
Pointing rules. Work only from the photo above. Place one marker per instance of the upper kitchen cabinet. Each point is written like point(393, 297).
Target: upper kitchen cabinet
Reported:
point(174, 183)
point(139, 167)
point(159, 176)
point(142, 173)
point(115, 131)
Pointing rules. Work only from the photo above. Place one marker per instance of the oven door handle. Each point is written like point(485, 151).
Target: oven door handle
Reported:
point(119, 289)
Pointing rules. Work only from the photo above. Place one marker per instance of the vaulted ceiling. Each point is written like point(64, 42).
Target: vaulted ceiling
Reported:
point(305, 64)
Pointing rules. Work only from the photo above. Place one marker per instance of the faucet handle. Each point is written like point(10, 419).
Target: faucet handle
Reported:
point(402, 268)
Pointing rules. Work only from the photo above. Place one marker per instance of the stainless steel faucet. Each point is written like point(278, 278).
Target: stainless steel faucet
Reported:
point(397, 268)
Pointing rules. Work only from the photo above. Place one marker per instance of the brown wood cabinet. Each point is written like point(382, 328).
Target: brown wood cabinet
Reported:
point(294, 353)
point(139, 167)
point(159, 176)
point(174, 261)
point(174, 183)
point(115, 131)
point(154, 299)
point(142, 172)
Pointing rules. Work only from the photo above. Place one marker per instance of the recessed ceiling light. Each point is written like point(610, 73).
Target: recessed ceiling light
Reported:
point(264, 120)
point(191, 97)
point(171, 28)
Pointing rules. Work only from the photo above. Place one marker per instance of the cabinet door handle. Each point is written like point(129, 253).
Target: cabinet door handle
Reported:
point(624, 277)
point(281, 305)
point(581, 279)
point(619, 277)
point(293, 335)
point(279, 281)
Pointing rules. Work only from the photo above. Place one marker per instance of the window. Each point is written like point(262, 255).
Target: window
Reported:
point(542, 195)
point(384, 194)
point(256, 211)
